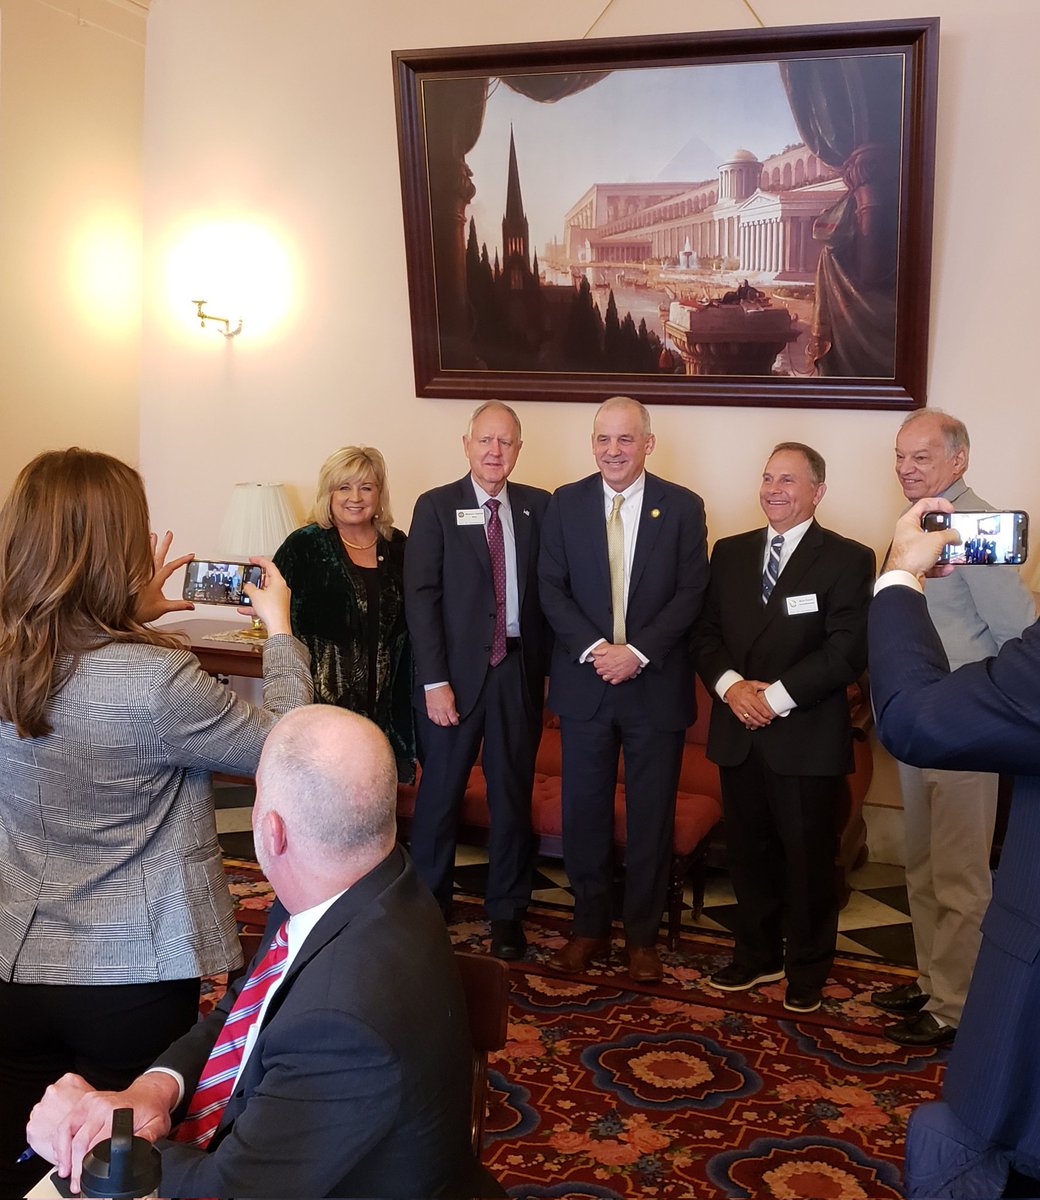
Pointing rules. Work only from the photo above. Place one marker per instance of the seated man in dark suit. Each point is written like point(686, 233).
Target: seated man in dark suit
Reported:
point(983, 1138)
point(354, 1077)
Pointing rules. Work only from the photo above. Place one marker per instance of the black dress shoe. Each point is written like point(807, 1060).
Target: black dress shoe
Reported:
point(507, 940)
point(907, 998)
point(802, 999)
point(921, 1029)
point(735, 978)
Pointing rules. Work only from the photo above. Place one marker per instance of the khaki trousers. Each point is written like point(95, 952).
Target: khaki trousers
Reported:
point(949, 818)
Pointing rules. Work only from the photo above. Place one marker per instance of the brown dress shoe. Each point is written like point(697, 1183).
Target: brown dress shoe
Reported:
point(578, 953)
point(643, 964)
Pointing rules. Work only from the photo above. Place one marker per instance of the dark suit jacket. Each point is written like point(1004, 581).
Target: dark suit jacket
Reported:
point(814, 654)
point(985, 716)
point(669, 575)
point(450, 598)
point(359, 1081)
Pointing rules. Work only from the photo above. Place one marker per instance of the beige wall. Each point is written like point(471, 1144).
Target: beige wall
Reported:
point(283, 112)
point(71, 111)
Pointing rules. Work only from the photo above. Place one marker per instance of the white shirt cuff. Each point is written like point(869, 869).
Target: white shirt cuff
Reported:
point(585, 656)
point(725, 681)
point(779, 699)
point(898, 579)
point(428, 687)
point(639, 654)
point(175, 1075)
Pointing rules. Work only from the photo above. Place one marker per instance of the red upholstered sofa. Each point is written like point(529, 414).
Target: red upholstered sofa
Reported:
point(699, 836)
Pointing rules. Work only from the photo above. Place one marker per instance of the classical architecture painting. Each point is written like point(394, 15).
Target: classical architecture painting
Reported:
point(686, 220)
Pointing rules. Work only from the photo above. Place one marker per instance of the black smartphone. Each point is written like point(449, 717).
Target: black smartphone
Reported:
point(987, 538)
point(208, 582)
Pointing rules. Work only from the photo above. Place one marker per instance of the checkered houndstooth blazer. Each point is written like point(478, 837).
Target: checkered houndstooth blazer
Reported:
point(110, 871)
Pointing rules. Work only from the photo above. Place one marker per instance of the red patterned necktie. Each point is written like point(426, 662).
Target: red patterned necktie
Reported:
point(221, 1070)
point(497, 550)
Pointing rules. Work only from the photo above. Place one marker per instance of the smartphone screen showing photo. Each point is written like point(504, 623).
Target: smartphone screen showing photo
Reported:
point(987, 538)
point(207, 582)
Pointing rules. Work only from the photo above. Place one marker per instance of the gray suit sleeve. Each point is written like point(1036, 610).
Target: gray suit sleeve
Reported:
point(1001, 599)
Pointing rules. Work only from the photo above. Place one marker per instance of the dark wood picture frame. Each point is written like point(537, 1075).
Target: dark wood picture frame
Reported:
point(863, 97)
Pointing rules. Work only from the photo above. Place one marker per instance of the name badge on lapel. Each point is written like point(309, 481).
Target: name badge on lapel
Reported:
point(802, 604)
point(469, 516)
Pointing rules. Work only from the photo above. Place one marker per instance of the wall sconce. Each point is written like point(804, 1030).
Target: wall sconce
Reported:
point(242, 267)
point(227, 331)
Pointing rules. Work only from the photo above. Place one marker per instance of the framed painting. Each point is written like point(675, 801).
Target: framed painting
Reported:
point(716, 218)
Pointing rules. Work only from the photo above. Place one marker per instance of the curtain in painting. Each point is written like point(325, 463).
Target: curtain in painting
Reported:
point(849, 113)
point(454, 114)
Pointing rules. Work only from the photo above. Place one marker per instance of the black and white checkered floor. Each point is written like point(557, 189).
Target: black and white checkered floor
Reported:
point(875, 922)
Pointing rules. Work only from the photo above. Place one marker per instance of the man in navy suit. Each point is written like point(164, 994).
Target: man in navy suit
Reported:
point(783, 634)
point(480, 648)
point(623, 570)
point(354, 1078)
point(985, 716)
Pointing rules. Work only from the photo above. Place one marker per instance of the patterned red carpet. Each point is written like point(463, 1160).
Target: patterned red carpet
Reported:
point(608, 1089)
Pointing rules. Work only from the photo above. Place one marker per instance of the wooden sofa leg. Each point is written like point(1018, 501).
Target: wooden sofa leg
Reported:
point(696, 873)
point(676, 880)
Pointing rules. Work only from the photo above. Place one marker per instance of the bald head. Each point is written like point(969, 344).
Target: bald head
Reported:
point(332, 778)
point(625, 403)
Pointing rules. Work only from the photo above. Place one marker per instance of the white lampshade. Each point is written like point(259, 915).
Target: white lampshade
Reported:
point(258, 519)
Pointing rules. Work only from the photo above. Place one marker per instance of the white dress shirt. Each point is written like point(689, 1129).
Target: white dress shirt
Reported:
point(631, 511)
point(505, 516)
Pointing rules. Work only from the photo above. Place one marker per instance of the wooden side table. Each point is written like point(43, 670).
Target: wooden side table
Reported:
point(220, 658)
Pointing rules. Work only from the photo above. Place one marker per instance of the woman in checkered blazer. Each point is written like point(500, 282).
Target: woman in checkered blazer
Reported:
point(113, 899)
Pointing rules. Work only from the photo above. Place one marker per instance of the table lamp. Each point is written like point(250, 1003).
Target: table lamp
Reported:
point(258, 519)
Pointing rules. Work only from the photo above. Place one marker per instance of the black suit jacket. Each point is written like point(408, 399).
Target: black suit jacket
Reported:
point(669, 575)
point(815, 654)
point(985, 716)
point(450, 598)
point(359, 1081)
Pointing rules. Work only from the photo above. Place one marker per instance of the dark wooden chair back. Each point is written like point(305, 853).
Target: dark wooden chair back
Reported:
point(485, 982)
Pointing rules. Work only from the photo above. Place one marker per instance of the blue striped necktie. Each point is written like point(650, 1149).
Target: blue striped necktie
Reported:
point(772, 572)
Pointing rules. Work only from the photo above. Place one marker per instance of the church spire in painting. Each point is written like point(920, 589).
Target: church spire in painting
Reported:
point(515, 259)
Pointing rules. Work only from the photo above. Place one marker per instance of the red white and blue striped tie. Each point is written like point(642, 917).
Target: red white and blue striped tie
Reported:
point(221, 1070)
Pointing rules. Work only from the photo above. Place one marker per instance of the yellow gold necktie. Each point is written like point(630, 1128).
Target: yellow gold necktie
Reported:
point(616, 559)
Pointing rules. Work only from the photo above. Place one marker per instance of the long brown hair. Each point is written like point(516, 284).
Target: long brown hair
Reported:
point(74, 556)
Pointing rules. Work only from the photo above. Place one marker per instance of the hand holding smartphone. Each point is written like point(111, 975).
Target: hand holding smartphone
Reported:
point(987, 538)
